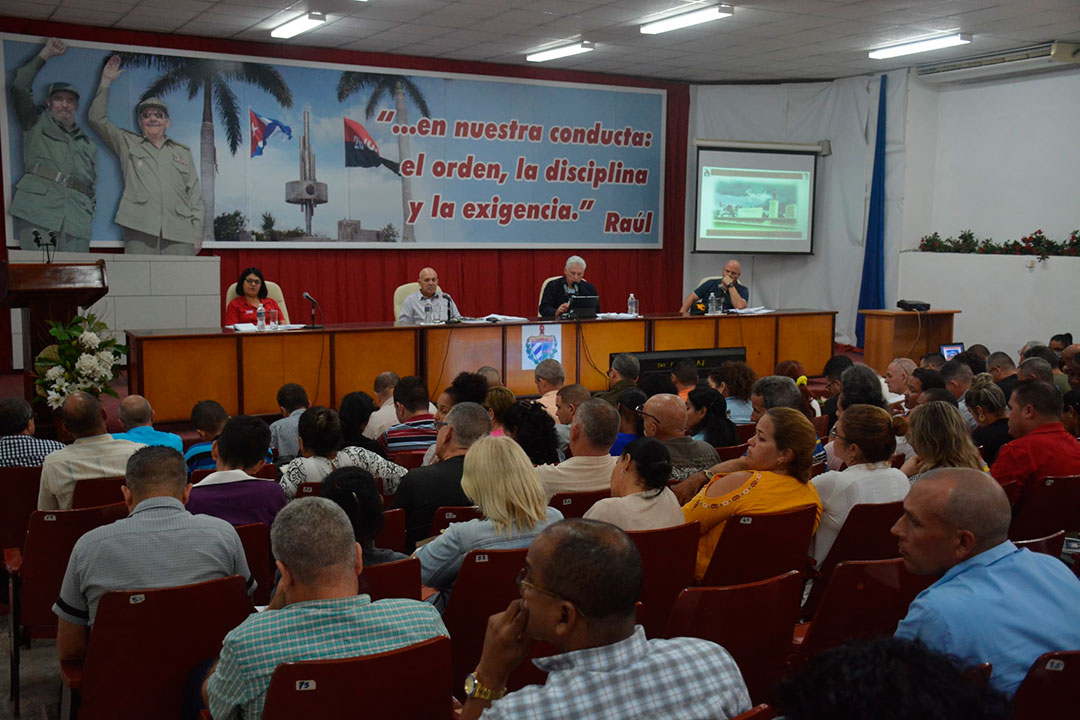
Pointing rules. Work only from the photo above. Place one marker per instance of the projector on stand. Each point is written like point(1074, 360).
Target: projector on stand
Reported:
point(913, 305)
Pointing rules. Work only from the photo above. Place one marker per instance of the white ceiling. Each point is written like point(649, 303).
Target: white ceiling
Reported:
point(765, 40)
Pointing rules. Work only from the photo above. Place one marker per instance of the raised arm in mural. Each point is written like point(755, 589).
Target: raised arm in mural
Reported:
point(160, 211)
point(216, 80)
point(56, 191)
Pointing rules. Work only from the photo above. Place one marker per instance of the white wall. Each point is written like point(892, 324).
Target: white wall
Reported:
point(1033, 304)
point(998, 157)
point(1007, 157)
point(146, 292)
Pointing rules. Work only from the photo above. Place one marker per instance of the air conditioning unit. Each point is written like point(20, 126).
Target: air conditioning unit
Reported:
point(1037, 58)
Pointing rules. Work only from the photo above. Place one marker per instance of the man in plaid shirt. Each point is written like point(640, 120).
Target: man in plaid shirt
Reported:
point(579, 587)
point(18, 446)
point(315, 614)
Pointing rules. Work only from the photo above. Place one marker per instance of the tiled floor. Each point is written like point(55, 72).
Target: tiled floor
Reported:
point(40, 679)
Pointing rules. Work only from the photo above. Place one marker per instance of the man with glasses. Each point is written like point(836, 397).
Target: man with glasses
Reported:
point(579, 587)
point(664, 417)
point(161, 210)
point(424, 490)
point(623, 375)
point(834, 368)
point(592, 433)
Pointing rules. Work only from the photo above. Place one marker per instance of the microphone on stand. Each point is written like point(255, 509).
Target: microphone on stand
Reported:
point(449, 300)
point(314, 302)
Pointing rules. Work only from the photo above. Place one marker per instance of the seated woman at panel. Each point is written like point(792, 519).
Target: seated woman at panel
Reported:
point(631, 422)
point(499, 478)
point(529, 424)
point(251, 289)
point(864, 438)
point(990, 408)
point(940, 438)
point(355, 411)
point(320, 438)
point(734, 379)
point(640, 498)
point(357, 493)
point(707, 418)
point(780, 456)
point(498, 400)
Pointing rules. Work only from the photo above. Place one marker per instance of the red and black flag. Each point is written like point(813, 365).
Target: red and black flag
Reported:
point(361, 150)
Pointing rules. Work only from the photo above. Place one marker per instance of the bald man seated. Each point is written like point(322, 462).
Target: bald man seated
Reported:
point(993, 602)
point(664, 418)
point(729, 293)
point(415, 305)
point(137, 417)
point(94, 454)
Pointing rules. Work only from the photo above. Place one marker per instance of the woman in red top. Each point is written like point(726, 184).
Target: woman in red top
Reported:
point(252, 291)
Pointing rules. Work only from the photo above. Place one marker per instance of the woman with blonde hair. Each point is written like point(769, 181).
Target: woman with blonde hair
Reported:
point(503, 483)
point(864, 438)
point(990, 408)
point(940, 438)
point(779, 457)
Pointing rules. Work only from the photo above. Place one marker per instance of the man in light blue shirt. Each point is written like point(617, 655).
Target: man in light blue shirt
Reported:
point(136, 417)
point(994, 603)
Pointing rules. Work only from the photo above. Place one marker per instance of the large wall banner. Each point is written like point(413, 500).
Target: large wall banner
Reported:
point(127, 144)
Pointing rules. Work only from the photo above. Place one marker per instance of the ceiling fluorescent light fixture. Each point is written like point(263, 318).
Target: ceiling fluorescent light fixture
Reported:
point(561, 52)
point(687, 19)
point(919, 46)
point(302, 24)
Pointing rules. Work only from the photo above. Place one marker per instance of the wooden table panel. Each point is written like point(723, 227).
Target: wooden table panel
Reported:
point(461, 349)
point(757, 333)
point(178, 373)
point(520, 381)
point(694, 333)
point(360, 356)
point(273, 359)
point(598, 340)
point(897, 333)
point(807, 338)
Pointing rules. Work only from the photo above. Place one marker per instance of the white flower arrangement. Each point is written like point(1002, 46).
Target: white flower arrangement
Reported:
point(84, 359)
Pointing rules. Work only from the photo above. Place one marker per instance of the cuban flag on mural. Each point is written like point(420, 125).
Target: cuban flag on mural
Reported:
point(262, 129)
point(361, 150)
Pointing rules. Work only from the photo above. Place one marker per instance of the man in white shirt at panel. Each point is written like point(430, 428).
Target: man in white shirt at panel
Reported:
point(442, 305)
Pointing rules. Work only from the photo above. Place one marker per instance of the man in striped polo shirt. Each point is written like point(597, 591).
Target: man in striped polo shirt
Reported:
point(316, 613)
point(415, 430)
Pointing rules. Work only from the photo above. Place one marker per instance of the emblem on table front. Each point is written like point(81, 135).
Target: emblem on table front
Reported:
point(542, 346)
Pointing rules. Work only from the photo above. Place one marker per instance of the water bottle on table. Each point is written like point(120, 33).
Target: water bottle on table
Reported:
point(714, 304)
point(260, 318)
point(632, 305)
point(429, 316)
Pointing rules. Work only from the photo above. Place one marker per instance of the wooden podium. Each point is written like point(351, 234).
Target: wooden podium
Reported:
point(901, 333)
point(49, 292)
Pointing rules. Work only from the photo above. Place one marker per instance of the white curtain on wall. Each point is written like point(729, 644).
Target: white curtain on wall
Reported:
point(845, 113)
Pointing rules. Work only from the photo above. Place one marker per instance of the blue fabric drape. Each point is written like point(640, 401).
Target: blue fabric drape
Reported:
point(872, 291)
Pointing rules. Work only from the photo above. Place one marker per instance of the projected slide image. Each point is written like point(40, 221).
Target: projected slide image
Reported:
point(764, 204)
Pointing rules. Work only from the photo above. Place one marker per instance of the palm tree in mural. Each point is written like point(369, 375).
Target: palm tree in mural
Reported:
point(214, 78)
point(401, 88)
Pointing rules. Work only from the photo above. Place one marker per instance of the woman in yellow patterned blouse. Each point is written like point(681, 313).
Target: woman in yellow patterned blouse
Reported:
point(780, 457)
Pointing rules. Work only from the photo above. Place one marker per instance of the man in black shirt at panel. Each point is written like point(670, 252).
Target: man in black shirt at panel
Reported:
point(730, 293)
point(555, 299)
